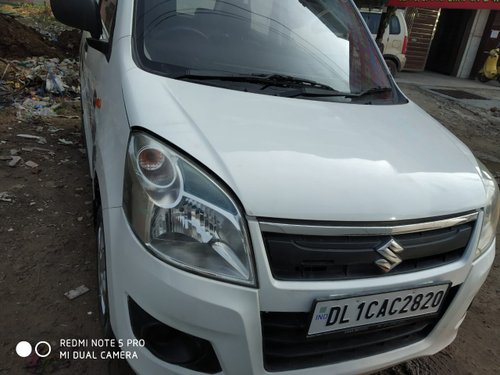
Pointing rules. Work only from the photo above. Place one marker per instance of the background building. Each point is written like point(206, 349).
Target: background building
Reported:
point(451, 38)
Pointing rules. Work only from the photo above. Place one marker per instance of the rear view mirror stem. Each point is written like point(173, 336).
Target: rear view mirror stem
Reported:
point(100, 45)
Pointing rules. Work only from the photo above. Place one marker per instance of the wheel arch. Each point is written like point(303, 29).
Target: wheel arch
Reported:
point(394, 59)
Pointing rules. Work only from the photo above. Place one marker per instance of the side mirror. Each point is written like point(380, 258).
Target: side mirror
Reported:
point(81, 14)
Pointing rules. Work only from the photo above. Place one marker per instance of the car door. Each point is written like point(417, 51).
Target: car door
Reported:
point(95, 65)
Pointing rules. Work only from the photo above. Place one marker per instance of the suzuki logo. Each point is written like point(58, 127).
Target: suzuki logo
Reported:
point(390, 258)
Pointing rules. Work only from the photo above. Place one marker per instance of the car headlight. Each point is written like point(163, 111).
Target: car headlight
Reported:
point(182, 215)
point(491, 211)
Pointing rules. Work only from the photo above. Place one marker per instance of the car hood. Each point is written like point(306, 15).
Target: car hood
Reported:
point(311, 160)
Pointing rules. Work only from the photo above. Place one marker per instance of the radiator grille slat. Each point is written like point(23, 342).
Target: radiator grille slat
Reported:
point(296, 257)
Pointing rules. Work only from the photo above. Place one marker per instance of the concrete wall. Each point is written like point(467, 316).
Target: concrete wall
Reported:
point(473, 42)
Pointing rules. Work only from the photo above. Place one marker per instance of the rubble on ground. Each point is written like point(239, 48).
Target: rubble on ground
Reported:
point(31, 164)
point(77, 292)
point(14, 161)
point(38, 69)
point(6, 197)
point(39, 139)
point(34, 85)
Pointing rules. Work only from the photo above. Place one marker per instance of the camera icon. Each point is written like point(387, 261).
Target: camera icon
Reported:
point(42, 349)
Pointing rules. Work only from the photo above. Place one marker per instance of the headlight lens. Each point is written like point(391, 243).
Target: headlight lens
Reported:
point(182, 215)
point(491, 211)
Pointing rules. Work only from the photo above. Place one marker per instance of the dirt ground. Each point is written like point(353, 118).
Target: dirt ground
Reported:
point(47, 241)
point(29, 44)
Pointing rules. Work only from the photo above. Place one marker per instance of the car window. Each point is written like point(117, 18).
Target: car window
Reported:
point(108, 9)
point(394, 26)
point(372, 20)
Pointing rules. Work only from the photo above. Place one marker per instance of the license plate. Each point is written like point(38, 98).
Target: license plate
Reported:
point(349, 313)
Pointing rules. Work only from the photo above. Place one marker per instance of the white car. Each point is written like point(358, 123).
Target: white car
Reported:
point(395, 39)
point(267, 200)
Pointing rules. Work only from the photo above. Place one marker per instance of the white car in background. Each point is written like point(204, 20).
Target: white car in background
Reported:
point(267, 199)
point(395, 38)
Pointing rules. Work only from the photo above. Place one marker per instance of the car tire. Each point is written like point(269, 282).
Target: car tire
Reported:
point(102, 276)
point(393, 68)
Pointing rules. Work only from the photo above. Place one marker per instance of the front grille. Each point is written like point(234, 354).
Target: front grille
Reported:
point(287, 347)
point(305, 257)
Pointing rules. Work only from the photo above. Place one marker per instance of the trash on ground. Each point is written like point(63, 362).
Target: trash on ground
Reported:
point(77, 292)
point(39, 139)
point(31, 108)
point(65, 142)
point(31, 164)
point(54, 82)
point(6, 197)
point(32, 85)
point(31, 149)
point(14, 160)
point(53, 129)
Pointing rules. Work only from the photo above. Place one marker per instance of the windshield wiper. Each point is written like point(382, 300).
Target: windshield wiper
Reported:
point(312, 92)
point(295, 86)
point(318, 92)
point(285, 80)
point(279, 80)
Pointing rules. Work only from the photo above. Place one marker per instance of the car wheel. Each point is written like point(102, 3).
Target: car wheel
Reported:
point(393, 68)
point(102, 276)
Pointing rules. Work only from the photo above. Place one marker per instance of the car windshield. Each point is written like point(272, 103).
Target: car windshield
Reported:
point(275, 45)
